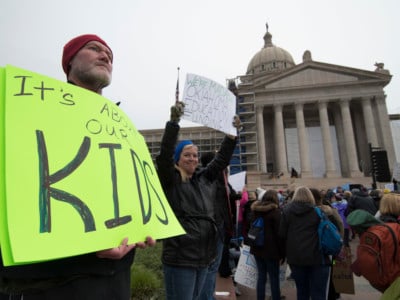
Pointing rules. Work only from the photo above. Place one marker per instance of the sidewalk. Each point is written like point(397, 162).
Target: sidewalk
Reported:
point(363, 290)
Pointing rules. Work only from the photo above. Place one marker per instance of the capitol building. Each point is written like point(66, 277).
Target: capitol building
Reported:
point(311, 123)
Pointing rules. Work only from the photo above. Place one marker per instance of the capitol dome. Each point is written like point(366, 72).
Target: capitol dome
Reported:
point(270, 58)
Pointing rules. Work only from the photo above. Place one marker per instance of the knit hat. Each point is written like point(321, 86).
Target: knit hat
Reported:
point(260, 193)
point(179, 148)
point(76, 44)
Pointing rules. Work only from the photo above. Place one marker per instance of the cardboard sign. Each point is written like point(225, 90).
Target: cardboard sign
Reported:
point(209, 103)
point(77, 176)
point(342, 275)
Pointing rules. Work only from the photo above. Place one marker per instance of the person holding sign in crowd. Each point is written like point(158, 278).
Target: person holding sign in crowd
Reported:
point(87, 61)
point(190, 192)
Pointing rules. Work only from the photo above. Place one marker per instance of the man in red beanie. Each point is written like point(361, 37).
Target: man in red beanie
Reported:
point(87, 62)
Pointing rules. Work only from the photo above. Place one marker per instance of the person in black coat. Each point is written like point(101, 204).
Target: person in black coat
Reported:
point(299, 227)
point(361, 200)
point(224, 221)
point(272, 253)
point(191, 193)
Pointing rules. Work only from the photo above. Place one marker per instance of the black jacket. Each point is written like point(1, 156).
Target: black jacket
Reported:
point(225, 207)
point(274, 246)
point(192, 202)
point(86, 264)
point(299, 227)
point(44, 275)
point(361, 200)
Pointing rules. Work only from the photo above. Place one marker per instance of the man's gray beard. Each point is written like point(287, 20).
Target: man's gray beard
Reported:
point(96, 80)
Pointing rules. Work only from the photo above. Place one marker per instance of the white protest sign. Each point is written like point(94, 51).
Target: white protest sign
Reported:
point(246, 272)
point(389, 186)
point(209, 103)
point(238, 181)
point(396, 171)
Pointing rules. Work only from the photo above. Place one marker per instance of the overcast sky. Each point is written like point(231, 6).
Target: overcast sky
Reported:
point(212, 38)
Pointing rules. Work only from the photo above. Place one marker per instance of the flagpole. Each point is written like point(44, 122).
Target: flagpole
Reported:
point(177, 89)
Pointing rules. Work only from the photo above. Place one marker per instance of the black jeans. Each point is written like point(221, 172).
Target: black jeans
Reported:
point(113, 287)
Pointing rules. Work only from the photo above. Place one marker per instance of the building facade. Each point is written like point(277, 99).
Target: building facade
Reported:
point(314, 120)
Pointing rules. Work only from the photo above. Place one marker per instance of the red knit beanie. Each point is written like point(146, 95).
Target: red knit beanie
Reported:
point(76, 44)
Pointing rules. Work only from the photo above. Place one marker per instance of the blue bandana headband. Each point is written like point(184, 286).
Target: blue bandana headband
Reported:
point(179, 148)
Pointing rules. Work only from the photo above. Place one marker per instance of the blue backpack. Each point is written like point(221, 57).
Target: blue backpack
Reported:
point(256, 233)
point(330, 241)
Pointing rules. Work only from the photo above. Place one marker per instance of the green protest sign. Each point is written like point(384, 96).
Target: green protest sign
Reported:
point(77, 175)
point(3, 215)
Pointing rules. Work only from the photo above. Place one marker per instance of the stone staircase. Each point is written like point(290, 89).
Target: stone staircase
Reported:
point(266, 181)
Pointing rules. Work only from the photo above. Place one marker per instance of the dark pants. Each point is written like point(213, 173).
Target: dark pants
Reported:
point(271, 267)
point(224, 267)
point(346, 237)
point(311, 281)
point(209, 285)
point(115, 287)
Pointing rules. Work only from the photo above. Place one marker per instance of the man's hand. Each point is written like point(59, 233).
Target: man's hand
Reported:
point(177, 111)
point(148, 243)
point(120, 251)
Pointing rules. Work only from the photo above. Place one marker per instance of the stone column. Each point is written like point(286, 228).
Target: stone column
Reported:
point(341, 144)
point(303, 142)
point(261, 139)
point(330, 168)
point(369, 122)
point(351, 152)
point(280, 144)
point(385, 129)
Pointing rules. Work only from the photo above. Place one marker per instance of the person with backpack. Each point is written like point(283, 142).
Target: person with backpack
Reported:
point(334, 216)
point(378, 253)
point(299, 228)
point(248, 214)
point(271, 253)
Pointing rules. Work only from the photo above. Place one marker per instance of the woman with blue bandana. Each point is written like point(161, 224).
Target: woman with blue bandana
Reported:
point(190, 192)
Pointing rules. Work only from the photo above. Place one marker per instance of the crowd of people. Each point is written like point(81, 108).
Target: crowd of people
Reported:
point(215, 217)
point(290, 234)
point(297, 225)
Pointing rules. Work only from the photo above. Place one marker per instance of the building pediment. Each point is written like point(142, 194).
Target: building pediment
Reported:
point(316, 74)
point(309, 76)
